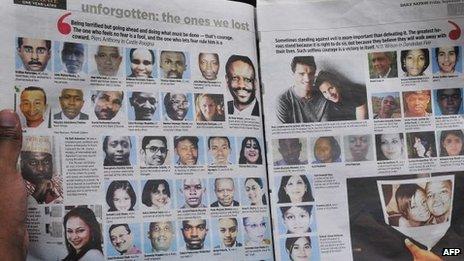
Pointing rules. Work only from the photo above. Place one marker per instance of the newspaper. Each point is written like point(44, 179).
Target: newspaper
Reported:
point(363, 118)
point(143, 134)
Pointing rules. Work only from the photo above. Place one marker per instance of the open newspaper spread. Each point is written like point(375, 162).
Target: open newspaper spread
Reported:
point(363, 118)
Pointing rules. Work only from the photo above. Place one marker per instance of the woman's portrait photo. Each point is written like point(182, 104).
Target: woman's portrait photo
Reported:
point(120, 196)
point(294, 189)
point(451, 142)
point(390, 146)
point(345, 101)
point(414, 62)
point(250, 151)
point(326, 150)
point(446, 60)
point(295, 219)
point(83, 236)
point(421, 145)
point(358, 147)
point(255, 192)
point(209, 107)
point(256, 231)
point(298, 249)
point(156, 194)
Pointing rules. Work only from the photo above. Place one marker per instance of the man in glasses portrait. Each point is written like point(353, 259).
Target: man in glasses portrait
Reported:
point(154, 150)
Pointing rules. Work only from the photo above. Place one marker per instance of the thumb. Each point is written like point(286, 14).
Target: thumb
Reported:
point(412, 247)
point(10, 141)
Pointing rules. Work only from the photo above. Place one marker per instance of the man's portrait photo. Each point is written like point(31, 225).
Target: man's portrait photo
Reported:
point(225, 193)
point(140, 63)
point(382, 65)
point(386, 105)
point(242, 84)
point(417, 103)
point(178, 106)
point(39, 170)
point(195, 234)
point(209, 65)
point(33, 107)
point(124, 238)
point(226, 233)
point(70, 58)
point(118, 150)
point(143, 106)
point(153, 151)
point(107, 104)
point(448, 101)
point(107, 60)
point(71, 102)
point(33, 54)
point(174, 65)
point(161, 237)
point(192, 193)
point(290, 151)
point(220, 152)
point(188, 150)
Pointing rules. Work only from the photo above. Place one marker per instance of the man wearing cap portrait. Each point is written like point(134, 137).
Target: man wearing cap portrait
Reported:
point(42, 185)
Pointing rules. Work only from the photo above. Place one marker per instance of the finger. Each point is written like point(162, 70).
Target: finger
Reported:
point(412, 247)
point(10, 140)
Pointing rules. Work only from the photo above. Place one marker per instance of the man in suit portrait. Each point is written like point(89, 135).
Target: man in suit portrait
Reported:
point(383, 65)
point(228, 230)
point(71, 102)
point(224, 189)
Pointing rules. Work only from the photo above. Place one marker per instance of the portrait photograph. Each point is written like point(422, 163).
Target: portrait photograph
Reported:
point(296, 219)
point(226, 232)
point(257, 230)
point(325, 149)
point(209, 66)
point(299, 248)
point(108, 105)
point(382, 65)
point(415, 62)
point(447, 102)
point(174, 65)
point(177, 106)
point(192, 193)
point(123, 239)
point(451, 143)
point(417, 103)
point(194, 234)
point(221, 150)
point(390, 146)
point(143, 106)
point(289, 151)
point(189, 150)
point(106, 60)
point(253, 191)
point(141, 63)
point(157, 194)
point(33, 55)
point(421, 145)
point(154, 151)
point(159, 236)
point(447, 60)
point(209, 107)
point(386, 105)
point(72, 105)
point(33, 106)
point(122, 195)
point(250, 150)
point(358, 147)
point(224, 192)
point(70, 58)
point(386, 213)
point(119, 151)
point(294, 189)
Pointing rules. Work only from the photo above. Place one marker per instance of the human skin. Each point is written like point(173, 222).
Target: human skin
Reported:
point(73, 57)
point(255, 228)
point(144, 104)
point(193, 190)
point(32, 105)
point(296, 220)
point(122, 201)
point(194, 232)
point(34, 54)
point(330, 91)
point(418, 211)
point(228, 231)
point(208, 108)
point(359, 146)
point(118, 149)
point(108, 60)
point(159, 197)
point(219, 149)
point(78, 233)
point(161, 235)
point(254, 192)
point(301, 250)
point(323, 150)
point(241, 82)
point(380, 63)
point(446, 59)
point(449, 101)
point(391, 146)
point(295, 189)
point(155, 157)
point(107, 104)
point(303, 80)
point(439, 199)
point(141, 63)
point(224, 190)
point(179, 105)
point(187, 152)
point(387, 107)
point(209, 65)
point(121, 239)
point(251, 152)
point(71, 101)
point(414, 62)
point(452, 145)
point(290, 150)
point(416, 104)
point(172, 64)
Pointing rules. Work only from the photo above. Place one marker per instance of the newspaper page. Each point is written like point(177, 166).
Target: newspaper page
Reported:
point(364, 129)
point(143, 135)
